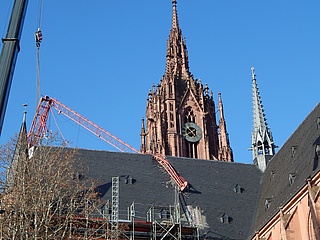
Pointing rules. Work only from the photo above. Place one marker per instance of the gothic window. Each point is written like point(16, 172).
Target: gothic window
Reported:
point(171, 117)
point(318, 123)
point(266, 148)
point(171, 106)
point(190, 117)
point(170, 89)
point(260, 150)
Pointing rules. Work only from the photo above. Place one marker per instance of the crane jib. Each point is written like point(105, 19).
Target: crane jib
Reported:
point(38, 130)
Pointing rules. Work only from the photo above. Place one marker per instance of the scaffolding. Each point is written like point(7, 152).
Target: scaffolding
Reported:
point(115, 208)
point(160, 222)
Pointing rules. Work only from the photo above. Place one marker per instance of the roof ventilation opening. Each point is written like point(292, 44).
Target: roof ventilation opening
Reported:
point(292, 177)
point(318, 123)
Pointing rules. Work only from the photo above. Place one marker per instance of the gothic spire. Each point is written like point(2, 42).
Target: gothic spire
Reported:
point(263, 147)
point(259, 120)
point(20, 152)
point(225, 151)
point(177, 62)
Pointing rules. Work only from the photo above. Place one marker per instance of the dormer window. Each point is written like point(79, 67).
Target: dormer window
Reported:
point(318, 151)
point(267, 204)
point(293, 151)
point(238, 189)
point(272, 174)
point(129, 180)
point(292, 177)
point(164, 214)
point(225, 218)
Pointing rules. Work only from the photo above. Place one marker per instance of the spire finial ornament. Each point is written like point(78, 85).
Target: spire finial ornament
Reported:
point(253, 75)
point(174, 15)
point(25, 105)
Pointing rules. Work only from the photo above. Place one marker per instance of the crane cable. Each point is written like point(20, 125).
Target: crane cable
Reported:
point(38, 39)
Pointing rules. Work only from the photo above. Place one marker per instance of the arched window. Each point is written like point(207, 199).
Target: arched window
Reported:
point(189, 115)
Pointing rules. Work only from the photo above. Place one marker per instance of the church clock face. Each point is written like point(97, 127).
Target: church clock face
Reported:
point(191, 132)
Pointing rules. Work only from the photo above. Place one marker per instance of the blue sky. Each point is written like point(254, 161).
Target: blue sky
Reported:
point(100, 58)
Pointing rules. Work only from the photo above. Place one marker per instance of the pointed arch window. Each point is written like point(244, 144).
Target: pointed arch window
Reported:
point(170, 106)
point(189, 115)
point(170, 89)
point(171, 116)
point(266, 148)
point(260, 148)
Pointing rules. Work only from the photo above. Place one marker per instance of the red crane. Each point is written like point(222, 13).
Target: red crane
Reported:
point(39, 128)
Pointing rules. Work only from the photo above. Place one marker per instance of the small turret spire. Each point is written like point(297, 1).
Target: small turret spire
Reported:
point(225, 151)
point(143, 137)
point(263, 147)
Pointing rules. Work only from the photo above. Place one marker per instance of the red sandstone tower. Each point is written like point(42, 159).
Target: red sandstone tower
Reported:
point(180, 113)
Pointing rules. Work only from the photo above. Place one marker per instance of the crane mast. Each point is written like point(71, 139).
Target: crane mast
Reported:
point(38, 131)
point(9, 53)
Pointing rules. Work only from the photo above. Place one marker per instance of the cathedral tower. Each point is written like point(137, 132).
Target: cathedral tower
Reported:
point(180, 114)
point(263, 147)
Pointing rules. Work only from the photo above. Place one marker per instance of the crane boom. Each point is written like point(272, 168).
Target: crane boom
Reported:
point(9, 53)
point(38, 130)
point(92, 127)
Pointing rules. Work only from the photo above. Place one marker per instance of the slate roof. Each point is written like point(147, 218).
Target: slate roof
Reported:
point(231, 197)
point(289, 169)
point(213, 188)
